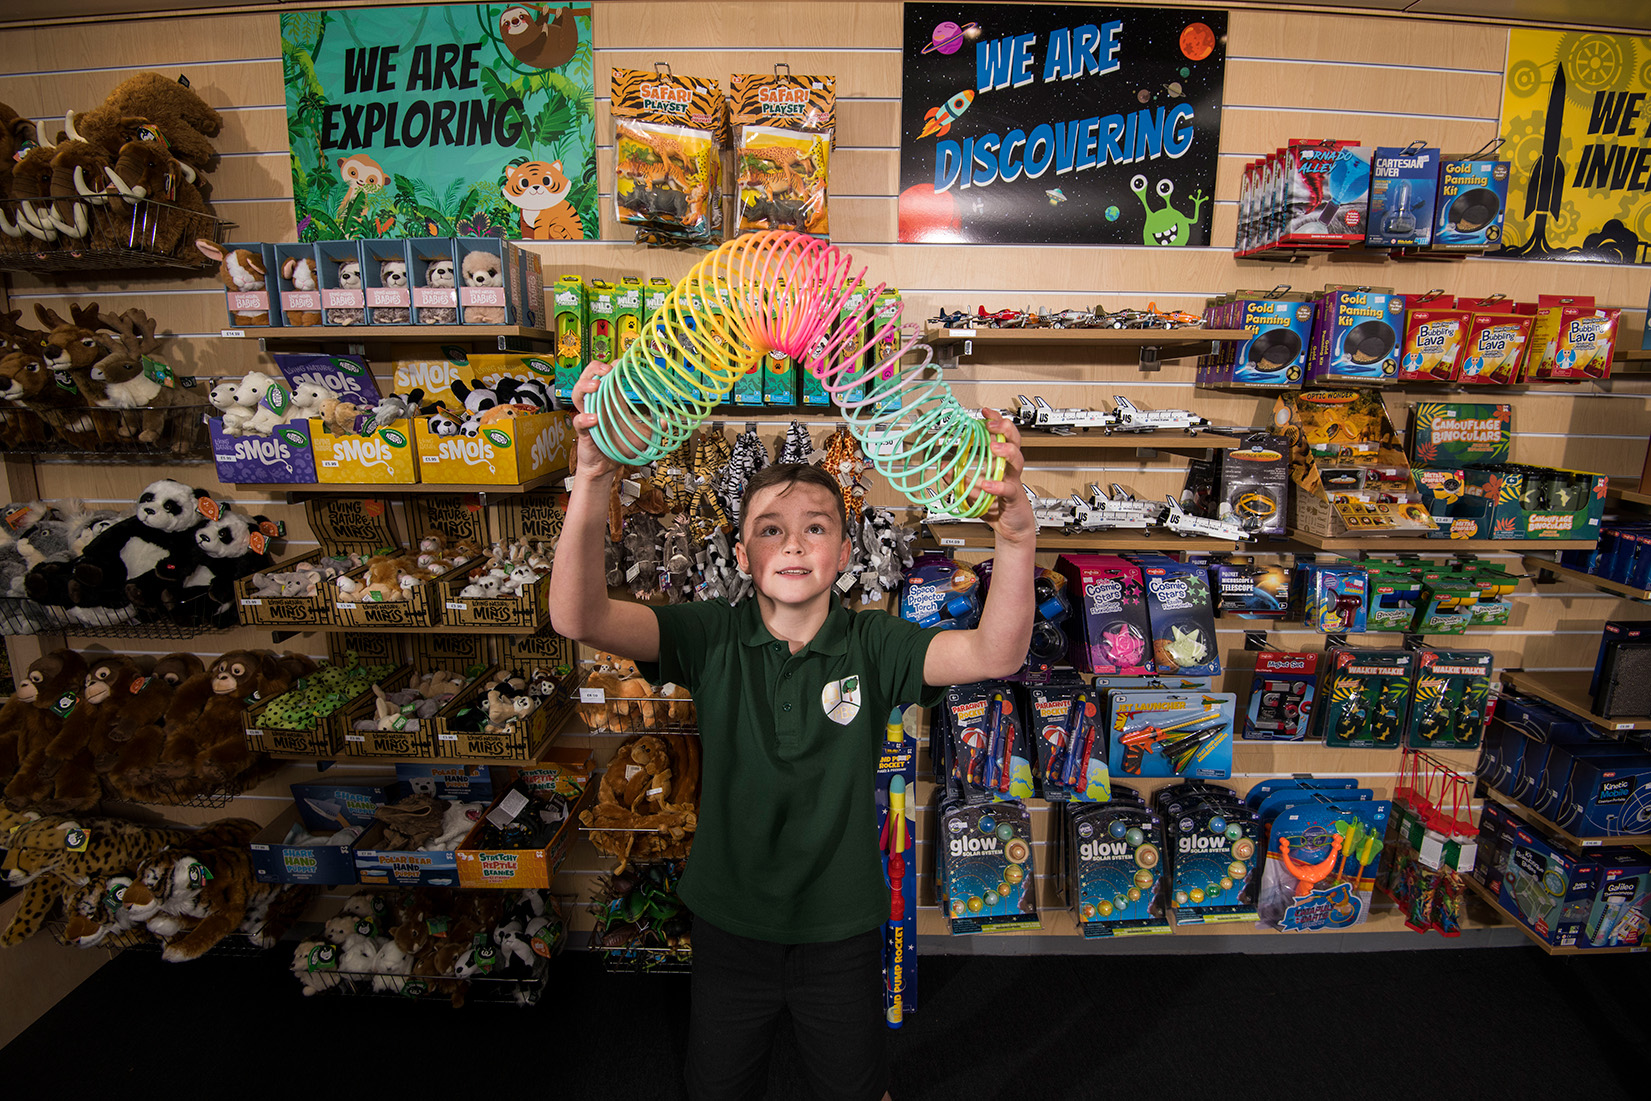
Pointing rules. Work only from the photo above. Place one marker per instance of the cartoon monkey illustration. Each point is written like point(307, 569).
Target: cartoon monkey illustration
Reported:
point(362, 173)
point(541, 42)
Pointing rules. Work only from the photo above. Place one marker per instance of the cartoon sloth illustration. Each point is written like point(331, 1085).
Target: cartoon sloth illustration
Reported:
point(362, 173)
point(540, 41)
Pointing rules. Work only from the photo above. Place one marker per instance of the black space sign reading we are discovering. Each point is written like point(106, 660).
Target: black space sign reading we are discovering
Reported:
point(1060, 124)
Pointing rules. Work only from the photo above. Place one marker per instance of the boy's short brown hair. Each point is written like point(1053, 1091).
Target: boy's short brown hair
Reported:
point(790, 474)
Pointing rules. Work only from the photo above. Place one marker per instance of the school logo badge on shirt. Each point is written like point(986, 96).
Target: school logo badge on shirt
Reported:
point(841, 700)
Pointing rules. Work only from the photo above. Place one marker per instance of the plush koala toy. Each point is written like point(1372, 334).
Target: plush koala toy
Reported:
point(392, 275)
point(482, 269)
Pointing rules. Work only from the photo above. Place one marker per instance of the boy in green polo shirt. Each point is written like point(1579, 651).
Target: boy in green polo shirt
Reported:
point(793, 692)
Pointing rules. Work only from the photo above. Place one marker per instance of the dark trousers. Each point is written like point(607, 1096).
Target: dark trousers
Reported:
point(742, 988)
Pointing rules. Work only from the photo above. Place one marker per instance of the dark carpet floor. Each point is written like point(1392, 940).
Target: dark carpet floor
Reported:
point(1452, 1023)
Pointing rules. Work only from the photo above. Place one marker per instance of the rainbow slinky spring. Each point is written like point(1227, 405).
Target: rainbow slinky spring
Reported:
point(783, 293)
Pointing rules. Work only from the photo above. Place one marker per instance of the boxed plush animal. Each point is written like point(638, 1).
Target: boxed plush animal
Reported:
point(385, 456)
point(517, 868)
point(298, 284)
point(399, 725)
point(343, 287)
point(244, 270)
point(515, 591)
point(509, 451)
point(386, 282)
point(307, 721)
point(404, 741)
point(283, 457)
point(435, 273)
point(483, 296)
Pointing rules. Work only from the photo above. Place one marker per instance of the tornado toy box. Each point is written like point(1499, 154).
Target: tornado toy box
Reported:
point(1111, 634)
point(984, 877)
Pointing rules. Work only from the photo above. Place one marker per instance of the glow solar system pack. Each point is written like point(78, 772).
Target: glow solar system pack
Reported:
point(984, 877)
point(1214, 845)
point(1115, 874)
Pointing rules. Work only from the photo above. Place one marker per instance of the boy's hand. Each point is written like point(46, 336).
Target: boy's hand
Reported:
point(590, 459)
point(1010, 513)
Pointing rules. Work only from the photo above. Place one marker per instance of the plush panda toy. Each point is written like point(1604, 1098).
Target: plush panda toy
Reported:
point(148, 549)
point(476, 402)
point(225, 553)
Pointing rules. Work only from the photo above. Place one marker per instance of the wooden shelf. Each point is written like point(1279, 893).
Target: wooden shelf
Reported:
point(287, 631)
point(1604, 584)
point(1032, 440)
point(1560, 833)
point(1171, 343)
point(1489, 896)
point(1378, 543)
point(969, 533)
point(1385, 917)
point(1569, 691)
point(321, 489)
point(1628, 496)
point(366, 334)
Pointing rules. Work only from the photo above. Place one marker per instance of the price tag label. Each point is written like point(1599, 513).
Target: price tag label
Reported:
point(355, 737)
point(456, 606)
point(346, 607)
point(951, 542)
point(251, 602)
point(232, 332)
point(254, 732)
point(447, 737)
point(592, 695)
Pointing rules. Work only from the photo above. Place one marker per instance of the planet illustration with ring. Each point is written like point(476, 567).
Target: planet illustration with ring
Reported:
point(948, 38)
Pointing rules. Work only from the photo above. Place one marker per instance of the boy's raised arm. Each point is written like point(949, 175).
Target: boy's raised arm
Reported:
point(580, 607)
point(996, 648)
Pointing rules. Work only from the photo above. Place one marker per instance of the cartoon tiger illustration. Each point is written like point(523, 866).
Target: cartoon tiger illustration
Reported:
point(540, 192)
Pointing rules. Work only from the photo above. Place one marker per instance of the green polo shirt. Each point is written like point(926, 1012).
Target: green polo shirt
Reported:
point(786, 847)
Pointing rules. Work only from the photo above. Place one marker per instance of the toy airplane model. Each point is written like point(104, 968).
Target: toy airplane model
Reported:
point(1129, 417)
point(1182, 522)
point(1102, 513)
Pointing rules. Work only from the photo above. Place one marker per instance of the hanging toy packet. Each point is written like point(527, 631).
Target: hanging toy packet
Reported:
point(669, 132)
point(783, 134)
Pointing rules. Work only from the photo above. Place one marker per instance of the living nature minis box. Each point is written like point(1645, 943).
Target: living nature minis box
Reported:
point(530, 516)
point(283, 457)
point(507, 452)
point(520, 868)
point(522, 743)
point(1281, 333)
point(448, 515)
point(342, 525)
point(384, 456)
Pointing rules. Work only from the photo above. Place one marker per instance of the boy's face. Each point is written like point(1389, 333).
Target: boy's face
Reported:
point(793, 545)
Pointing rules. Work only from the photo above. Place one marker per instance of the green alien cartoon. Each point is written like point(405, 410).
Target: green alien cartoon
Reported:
point(1167, 226)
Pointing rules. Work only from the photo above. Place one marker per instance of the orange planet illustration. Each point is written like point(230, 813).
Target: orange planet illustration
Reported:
point(1197, 42)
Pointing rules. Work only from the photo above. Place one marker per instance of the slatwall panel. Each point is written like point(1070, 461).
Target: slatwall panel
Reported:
point(1383, 80)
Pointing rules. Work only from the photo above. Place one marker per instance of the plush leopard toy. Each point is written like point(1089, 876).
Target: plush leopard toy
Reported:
point(47, 854)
